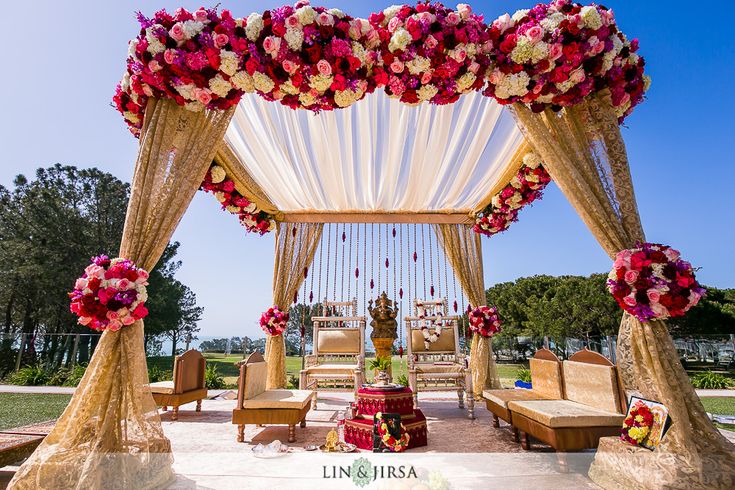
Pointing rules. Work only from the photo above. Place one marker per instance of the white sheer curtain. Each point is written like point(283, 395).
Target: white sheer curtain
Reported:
point(377, 155)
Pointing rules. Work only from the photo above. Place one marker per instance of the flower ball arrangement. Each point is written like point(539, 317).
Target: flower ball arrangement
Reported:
point(556, 54)
point(637, 425)
point(653, 282)
point(111, 294)
point(431, 53)
point(195, 58)
point(274, 321)
point(484, 321)
point(525, 187)
point(310, 57)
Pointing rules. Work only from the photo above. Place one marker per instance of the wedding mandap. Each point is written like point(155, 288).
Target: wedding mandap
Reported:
point(380, 152)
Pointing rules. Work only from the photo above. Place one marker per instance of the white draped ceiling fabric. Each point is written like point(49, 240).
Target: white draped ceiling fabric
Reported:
point(379, 155)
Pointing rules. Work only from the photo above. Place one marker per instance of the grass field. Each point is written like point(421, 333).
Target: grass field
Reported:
point(18, 409)
point(720, 405)
point(226, 366)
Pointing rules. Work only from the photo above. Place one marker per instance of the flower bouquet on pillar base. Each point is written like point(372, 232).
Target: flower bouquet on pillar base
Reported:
point(274, 321)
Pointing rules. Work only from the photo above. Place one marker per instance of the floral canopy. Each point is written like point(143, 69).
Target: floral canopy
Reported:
point(311, 115)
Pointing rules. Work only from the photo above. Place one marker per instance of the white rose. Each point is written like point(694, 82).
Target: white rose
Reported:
point(262, 82)
point(519, 15)
point(294, 38)
point(219, 86)
point(192, 28)
point(254, 26)
point(228, 62)
point(399, 40)
point(306, 14)
point(591, 17)
point(242, 81)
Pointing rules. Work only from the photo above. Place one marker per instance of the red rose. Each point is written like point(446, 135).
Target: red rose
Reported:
point(508, 44)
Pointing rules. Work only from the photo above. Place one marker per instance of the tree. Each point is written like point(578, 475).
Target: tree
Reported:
point(298, 315)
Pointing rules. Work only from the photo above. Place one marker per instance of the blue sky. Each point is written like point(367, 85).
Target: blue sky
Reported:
point(60, 73)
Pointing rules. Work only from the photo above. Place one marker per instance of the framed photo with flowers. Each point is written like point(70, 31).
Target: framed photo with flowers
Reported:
point(646, 423)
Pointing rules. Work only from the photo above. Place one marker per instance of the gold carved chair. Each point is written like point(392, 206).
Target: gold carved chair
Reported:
point(441, 367)
point(338, 357)
point(187, 386)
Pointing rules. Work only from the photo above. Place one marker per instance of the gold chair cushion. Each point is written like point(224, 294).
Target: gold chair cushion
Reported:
point(445, 342)
point(502, 397)
point(546, 378)
point(565, 413)
point(338, 341)
point(163, 387)
point(296, 399)
point(347, 369)
point(255, 378)
point(593, 385)
point(440, 369)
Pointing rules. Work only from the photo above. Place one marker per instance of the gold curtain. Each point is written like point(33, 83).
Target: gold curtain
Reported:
point(296, 244)
point(110, 435)
point(584, 152)
point(462, 247)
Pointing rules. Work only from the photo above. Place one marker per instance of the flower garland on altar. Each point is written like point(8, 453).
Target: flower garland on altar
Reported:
point(310, 57)
point(195, 58)
point(430, 52)
point(553, 55)
point(653, 282)
point(526, 187)
point(390, 441)
point(556, 54)
point(637, 425)
point(253, 219)
point(111, 294)
point(274, 321)
point(484, 321)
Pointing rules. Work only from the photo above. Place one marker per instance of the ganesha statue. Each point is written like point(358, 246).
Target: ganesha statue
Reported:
point(384, 324)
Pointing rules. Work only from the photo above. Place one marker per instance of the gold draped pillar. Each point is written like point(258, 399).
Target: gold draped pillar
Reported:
point(584, 152)
point(462, 247)
point(296, 244)
point(110, 435)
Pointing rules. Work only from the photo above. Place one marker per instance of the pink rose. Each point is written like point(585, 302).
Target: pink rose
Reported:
point(84, 320)
point(396, 66)
point(325, 19)
point(324, 67)
point(653, 296)
point(631, 277)
point(535, 34)
point(453, 18)
point(430, 42)
point(577, 76)
point(169, 56)
point(426, 77)
point(128, 320)
point(355, 28)
point(672, 255)
point(202, 95)
point(289, 66)
point(154, 66)
point(80, 284)
point(112, 315)
point(201, 15)
point(460, 55)
point(177, 32)
point(221, 39)
point(292, 22)
point(114, 325)
point(474, 67)
point(630, 300)
point(142, 274)
point(147, 90)
point(503, 23)
point(555, 51)
point(271, 45)
point(123, 284)
point(394, 24)
point(464, 10)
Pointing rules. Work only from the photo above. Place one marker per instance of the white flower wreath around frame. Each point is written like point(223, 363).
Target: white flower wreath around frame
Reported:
point(438, 323)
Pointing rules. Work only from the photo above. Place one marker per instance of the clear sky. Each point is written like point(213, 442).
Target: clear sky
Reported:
point(60, 70)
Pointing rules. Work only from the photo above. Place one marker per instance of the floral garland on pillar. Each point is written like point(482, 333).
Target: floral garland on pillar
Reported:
point(253, 219)
point(274, 321)
point(526, 187)
point(484, 321)
point(110, 295)
point(653, 282)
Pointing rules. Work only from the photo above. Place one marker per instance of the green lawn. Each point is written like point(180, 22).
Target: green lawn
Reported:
point(226, 366)
point(18, 409)
point(720, 405)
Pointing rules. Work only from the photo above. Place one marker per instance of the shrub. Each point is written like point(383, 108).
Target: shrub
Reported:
point(156, 374)
point(293, 382)
point(213, 379)
point(707, 380)
point(33, 375)
point(75, 375)
point(523, 374)
point(402, 380)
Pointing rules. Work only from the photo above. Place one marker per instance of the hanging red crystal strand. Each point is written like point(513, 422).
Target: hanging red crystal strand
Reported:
point(372, 284)
point(293, 231)
point(400, 351)
point(394, 231)
point(344, 237)
point(400, 293)
point(455, 306)
point(415, 256)
point(387, 263)
point(431, 290)
point(311, 297)
point(306, 272)
point(295, 296)
point(357, 272)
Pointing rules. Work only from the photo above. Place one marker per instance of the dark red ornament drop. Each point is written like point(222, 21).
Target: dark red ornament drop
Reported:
point(386, 262)
point(455, 305)
point(400, 293)
point(372, 284)
point(432, 291)
point(415, 256)
point(400, 351)
point(357, 273)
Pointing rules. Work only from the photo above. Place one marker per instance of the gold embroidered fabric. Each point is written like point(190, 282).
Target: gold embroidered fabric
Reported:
point(110, 435)
point(463, 248)
point(585, 155)
point(296, 244)
point(244, 182)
